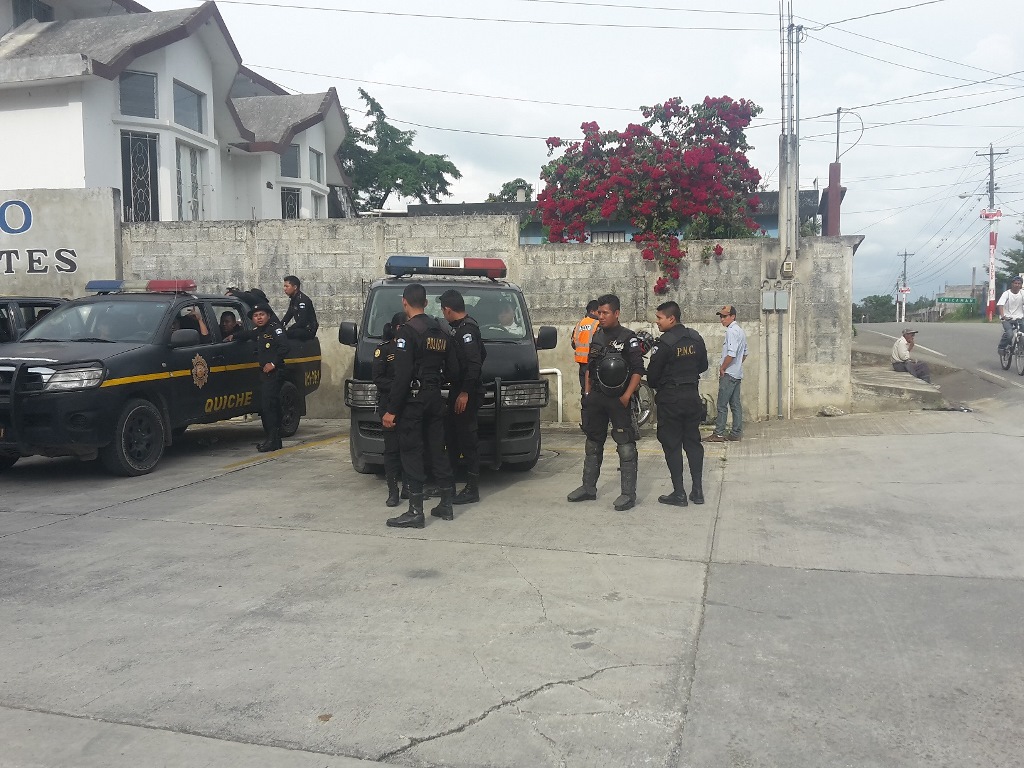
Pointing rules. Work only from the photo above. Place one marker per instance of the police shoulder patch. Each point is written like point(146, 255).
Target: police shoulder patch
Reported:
point(279, 331)
point(634, 341)
point(468, 338)
point(302, 305)
point(654, 350)
point(400, 343)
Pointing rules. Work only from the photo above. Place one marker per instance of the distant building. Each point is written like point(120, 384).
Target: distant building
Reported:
point(104, 93)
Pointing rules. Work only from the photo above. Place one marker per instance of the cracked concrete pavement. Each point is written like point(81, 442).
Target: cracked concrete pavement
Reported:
point(848, 596)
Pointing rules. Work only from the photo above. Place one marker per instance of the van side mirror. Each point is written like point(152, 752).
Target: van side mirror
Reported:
point(185, 337)
point(348, 334)
point(547, 337)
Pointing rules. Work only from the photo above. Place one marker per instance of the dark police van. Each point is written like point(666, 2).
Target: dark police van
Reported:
point(119, 374)
point(19, 313)
point(509, 419)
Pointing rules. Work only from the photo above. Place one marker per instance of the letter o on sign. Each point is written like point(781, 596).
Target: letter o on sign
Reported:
point(6, 226)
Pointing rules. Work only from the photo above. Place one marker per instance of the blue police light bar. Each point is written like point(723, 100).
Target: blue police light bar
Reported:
point(104, 286)
point(396, 266)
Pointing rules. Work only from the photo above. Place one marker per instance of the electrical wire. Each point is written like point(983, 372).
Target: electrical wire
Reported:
point(878, 13)
point(648, 7)
point(657, 27)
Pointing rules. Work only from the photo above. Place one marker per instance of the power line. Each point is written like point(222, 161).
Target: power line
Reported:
point(649, 8)
point(879, 13)
point(443, 17)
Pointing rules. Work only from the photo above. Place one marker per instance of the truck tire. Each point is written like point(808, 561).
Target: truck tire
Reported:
point(138, 440)
point(359, 463)
point(291, 409)
point(7, 460)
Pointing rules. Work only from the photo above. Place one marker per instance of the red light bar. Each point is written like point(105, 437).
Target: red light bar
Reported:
point(397, 266)
point(492, 268)
point(171, 286)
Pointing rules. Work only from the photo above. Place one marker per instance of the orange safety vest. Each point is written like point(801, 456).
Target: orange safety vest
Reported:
point(581, 338)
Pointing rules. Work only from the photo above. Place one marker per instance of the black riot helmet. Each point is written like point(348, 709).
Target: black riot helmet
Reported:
point(612, 375)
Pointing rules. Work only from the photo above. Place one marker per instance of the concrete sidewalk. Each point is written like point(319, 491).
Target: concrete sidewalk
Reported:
point(849, 595)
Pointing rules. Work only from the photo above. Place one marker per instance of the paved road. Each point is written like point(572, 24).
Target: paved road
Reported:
point(970, 347)
point(849, 596)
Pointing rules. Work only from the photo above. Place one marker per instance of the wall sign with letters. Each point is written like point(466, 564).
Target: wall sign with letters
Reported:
point(16, 219)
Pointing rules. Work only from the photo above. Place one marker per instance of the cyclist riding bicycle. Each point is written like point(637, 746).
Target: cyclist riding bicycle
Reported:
point(1010, 307)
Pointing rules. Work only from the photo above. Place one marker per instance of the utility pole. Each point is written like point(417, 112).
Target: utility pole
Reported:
point(993, 215)
point(897, 300)
point(904, 291)
point(789, 141)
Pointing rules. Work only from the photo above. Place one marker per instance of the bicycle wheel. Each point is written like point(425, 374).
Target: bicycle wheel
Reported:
point(643, 403)
point(1019, 353)
point(1006, 357)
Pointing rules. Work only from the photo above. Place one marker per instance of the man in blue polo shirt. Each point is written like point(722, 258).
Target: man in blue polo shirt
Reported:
point(730, 376)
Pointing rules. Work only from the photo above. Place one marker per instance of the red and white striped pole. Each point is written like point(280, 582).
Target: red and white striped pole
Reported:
point(993, 234)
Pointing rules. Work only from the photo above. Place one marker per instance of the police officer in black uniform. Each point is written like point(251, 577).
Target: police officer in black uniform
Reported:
point(417, 408)
point(300, 309)
point(677, 361)
point(383, 374)
point(465, 392)
point(271, 347)
point(615, 366)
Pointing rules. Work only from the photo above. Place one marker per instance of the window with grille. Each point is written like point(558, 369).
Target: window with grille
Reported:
point(138, 94)
point(189, 166)
point(316, 166)
point(139, 164)
point(290, 162)
point(319, 206)
point(607, 237)
point(188, 107)
point(291, 202)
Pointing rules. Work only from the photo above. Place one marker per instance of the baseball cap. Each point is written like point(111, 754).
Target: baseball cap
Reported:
point(727, 310)
point(909, 330)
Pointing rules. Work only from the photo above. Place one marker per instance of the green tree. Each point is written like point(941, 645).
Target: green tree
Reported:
point(380, 160)
point(875, 309)
point(509, 190)
point(1012, 262)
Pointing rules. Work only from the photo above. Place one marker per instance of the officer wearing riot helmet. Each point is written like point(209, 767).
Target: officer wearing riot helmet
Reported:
point(271, 346)
point(383, 374)
point(616, 364)
point(415, 405)
point(677, 361)
point(465, 392)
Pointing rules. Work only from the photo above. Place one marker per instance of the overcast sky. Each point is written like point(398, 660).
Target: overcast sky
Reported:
point(946, 69)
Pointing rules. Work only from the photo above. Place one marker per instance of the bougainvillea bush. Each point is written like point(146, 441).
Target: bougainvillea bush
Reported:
point(682, 172)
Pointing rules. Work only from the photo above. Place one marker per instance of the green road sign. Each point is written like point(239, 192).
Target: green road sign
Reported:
point(953, 300)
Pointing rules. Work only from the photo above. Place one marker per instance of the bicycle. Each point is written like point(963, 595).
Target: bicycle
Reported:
point(1014, 348)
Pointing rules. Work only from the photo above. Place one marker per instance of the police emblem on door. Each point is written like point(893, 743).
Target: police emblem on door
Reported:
point(200, 371)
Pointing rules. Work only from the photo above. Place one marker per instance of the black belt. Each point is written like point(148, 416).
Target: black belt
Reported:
point(678, 384)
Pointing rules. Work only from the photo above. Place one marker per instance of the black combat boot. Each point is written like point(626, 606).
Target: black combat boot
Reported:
point(405, 490)
point(444, 508)
point(678, 496)
point(393, 497)
point(413, 517)
point(697, 494)
point(272, 443)
point(591, 472)
point(628, 459)
point(469, 494)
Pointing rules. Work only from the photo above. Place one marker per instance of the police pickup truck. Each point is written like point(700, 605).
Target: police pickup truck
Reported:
point(509, 417)
point(118, 375)
point(19, 313)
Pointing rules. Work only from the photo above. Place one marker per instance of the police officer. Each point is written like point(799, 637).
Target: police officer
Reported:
point(465, 392)
point(677, 361)
point(613, 373)
point(271, 347)
point(383, 374)
point(415, 405)
point(300, 309)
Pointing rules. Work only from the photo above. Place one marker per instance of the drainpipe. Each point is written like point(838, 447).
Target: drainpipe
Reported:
point(558, 386)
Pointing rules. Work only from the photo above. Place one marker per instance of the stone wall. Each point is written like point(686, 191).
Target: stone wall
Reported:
point(337, 260)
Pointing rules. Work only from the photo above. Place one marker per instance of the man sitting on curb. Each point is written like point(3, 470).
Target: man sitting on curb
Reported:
point(901, 360)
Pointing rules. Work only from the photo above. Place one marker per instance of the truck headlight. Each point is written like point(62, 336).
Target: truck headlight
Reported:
point(526, 394)
point(69, 379)
point(360, 394)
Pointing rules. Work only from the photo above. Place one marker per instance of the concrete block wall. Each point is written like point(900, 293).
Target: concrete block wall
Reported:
point(337, 259)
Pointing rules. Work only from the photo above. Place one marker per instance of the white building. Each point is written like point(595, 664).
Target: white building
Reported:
point(104, 93)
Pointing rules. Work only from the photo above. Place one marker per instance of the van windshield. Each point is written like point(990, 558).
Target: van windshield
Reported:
point(499, 311)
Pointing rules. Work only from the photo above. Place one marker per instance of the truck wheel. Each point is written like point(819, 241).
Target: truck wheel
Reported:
point(7, 460)
point(524, 466)
point(138, 440)
point(359, 463)
point(291, 409)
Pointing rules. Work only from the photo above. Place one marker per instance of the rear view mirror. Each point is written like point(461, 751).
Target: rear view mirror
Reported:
point(547, 337)
point(348, 334)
